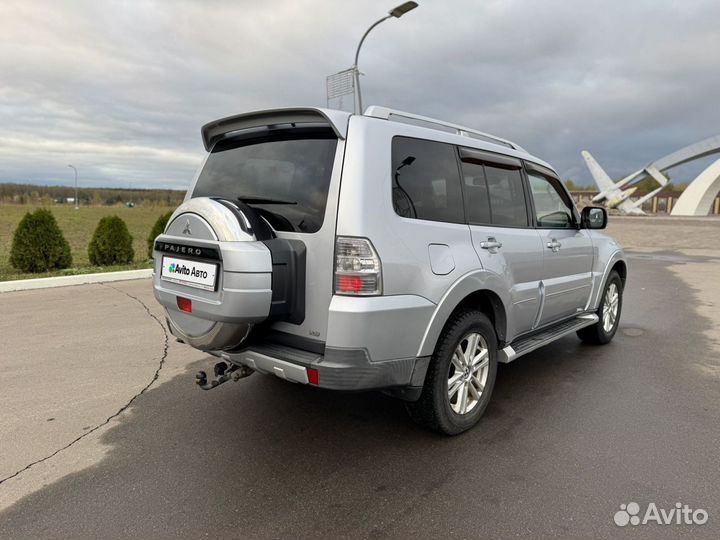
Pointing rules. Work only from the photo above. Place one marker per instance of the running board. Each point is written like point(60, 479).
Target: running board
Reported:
point(525, 345)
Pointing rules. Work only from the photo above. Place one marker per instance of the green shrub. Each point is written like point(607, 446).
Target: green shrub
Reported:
point(111, 243)
point(39, 244)
point(156, 231)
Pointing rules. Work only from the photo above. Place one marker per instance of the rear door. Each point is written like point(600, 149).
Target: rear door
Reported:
point(290, 175)
point(502, 236)
point(567, 249)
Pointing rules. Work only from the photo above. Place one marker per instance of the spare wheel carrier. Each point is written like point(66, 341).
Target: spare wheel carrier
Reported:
point(229, 235)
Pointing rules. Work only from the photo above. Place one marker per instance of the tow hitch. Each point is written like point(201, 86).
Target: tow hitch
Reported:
point(223, 373)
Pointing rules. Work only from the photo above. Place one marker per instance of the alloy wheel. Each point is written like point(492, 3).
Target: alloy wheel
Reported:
point(610, 307)
point(468, 373)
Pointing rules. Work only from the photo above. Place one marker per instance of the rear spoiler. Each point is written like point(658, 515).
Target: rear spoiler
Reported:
point(216, 130)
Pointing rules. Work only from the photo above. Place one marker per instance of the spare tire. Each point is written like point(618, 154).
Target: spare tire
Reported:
point(213, 274)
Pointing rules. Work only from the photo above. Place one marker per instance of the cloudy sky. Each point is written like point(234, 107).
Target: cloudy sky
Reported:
point(121, 88)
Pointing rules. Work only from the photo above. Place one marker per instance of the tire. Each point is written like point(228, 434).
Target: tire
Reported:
point(603, 331)
point(437, 409)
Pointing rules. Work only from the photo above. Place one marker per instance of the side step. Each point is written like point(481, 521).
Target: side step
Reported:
point(525, 345)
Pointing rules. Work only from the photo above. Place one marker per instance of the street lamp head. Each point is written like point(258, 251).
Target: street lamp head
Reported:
point(402, 9)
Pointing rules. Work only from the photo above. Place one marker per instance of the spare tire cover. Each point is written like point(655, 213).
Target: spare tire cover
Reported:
point(215, 221)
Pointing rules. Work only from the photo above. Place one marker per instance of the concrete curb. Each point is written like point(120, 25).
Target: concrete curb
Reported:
point(64, 281)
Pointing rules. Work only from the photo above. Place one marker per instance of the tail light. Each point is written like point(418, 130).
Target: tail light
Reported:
point(358, 271)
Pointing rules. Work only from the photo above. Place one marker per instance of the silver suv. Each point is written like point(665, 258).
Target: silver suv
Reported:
point(381, 251)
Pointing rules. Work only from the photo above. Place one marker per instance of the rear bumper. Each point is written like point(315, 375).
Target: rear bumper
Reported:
point(371, 344)
point(338, 369)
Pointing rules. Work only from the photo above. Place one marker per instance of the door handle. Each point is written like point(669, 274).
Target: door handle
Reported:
point(554, 245)
point(491, 244)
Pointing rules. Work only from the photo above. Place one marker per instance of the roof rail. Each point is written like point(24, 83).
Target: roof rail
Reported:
point(424, 121)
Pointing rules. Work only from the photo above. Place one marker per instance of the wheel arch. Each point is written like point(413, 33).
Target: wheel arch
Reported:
point(615, 261)
point(489, 303)
point(621, 268)
point(477, 291)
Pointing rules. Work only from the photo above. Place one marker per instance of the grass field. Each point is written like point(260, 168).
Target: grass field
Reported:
point(78, 227)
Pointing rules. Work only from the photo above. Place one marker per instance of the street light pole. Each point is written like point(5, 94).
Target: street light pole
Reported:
point(77, 202)
point(397, 12)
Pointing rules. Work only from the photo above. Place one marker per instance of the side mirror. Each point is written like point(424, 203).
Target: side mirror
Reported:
point(593, 217)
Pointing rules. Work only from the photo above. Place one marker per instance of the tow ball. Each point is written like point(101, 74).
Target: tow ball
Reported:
point(223, 373)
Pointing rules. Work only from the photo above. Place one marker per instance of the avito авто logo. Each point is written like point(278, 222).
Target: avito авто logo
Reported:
point(184, 270)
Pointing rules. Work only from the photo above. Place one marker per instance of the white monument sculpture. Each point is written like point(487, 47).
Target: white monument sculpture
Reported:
point(697, 198)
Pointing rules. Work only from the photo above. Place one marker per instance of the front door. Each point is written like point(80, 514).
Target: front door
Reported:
point(567, 250)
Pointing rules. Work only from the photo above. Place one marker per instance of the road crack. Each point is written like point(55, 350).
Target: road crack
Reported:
point(122, 409)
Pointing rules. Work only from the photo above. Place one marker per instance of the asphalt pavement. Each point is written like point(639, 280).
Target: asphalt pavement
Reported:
point(573, 432)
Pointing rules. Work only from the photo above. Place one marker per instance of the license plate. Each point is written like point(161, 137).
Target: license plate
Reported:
point(191, 273)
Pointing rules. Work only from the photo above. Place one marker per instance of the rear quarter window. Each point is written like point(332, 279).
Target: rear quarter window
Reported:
point(426, 181)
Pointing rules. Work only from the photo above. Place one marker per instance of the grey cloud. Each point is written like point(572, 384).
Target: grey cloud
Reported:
point(121, 88)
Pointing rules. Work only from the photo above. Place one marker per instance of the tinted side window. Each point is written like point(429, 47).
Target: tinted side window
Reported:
point(477, 201)
point(426, 181)
point(507, 200)
point(551, 210)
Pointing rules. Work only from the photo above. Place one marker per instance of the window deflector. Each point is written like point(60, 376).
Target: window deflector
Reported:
point(473, 155)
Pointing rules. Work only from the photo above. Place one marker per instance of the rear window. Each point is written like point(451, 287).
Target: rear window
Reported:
point(507, 199)
point(290, 167)
point(476, 194)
